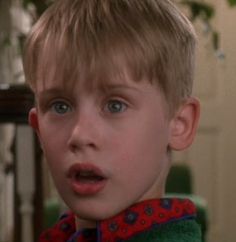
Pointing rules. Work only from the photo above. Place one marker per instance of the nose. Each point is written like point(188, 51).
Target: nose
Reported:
point(85, 133)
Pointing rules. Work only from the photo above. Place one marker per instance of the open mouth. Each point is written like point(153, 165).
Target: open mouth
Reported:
point(86, 179)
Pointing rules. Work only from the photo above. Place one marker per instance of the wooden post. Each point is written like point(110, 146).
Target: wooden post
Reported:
point(25, 179)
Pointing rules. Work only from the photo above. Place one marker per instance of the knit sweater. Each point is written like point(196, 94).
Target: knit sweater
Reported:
point(158, 220)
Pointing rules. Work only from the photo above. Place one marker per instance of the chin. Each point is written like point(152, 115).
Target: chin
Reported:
point(93, 216)
point(93, 212)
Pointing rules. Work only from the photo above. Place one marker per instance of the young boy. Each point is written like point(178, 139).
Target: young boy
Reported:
point(112, 81)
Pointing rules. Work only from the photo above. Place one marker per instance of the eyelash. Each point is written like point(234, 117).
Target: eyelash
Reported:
point(111, 106)
point(122, 106)
point(60, 104)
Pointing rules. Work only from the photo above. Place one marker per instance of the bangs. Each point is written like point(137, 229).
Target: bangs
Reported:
point(95, 48)
point(93, 62)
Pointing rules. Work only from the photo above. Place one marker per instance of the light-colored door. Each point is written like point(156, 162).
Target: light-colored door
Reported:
point(212, 157)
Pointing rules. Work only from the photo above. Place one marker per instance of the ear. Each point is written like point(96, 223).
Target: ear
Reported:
point(184, 124)
point(33, 120)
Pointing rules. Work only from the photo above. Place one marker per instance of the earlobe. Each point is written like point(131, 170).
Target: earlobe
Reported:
point(33, 120)
point(184, 124)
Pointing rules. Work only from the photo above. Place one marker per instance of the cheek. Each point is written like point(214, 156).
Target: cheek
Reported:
point(142, 147)
point(52, 134)
point(53, 144)
point(150, 138)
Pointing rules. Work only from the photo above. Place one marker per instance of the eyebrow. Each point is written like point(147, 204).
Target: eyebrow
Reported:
point(52, 91)
point(105, 87)
point(61, 91)
point(108, 87)
point(45, 94)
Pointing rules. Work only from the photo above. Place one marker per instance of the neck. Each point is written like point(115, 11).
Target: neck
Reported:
point(84, 224)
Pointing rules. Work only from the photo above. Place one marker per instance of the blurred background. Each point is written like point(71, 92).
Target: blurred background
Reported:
point(205, 172)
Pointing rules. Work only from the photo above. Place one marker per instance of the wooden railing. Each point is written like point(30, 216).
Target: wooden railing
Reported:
point(15, 103)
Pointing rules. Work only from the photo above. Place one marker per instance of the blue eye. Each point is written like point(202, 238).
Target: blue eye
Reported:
point(60, 107)
point(116, 106)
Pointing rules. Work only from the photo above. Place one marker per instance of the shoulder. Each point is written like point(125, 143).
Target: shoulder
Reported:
point(179, 231)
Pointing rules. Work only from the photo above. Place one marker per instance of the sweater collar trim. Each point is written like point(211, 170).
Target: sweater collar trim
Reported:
point(138, 218)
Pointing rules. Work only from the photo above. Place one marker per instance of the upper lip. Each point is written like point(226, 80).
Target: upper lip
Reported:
point(84, 169)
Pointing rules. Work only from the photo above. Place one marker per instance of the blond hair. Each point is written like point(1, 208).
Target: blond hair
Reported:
point(95, 40)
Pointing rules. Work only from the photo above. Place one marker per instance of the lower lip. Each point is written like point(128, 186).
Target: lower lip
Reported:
point(87, 188)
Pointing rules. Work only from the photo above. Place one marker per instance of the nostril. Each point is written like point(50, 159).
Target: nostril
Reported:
point(73, 147)
point(78, 146)
point(92, 145)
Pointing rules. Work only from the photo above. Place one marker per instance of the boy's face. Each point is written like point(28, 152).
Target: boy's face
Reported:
point(106, 149)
